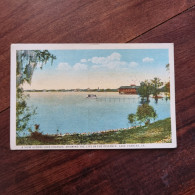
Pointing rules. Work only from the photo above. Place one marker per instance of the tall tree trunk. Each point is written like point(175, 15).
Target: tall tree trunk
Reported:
point(147, 98)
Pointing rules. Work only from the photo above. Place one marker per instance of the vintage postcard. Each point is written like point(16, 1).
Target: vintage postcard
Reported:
point(92, 96)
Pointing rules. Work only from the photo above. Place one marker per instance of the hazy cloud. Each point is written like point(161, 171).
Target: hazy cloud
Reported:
point(95, 67)
point(83, 60)
point(79, 66)
point(104, 60)
point(112, 61)
point(133, 64)
point(147, 59)
point(64, 66)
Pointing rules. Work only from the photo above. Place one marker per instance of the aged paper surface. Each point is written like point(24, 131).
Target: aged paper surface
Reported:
point(92, 96)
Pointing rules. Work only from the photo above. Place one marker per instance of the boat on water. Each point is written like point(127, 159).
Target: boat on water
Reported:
point(92, 96)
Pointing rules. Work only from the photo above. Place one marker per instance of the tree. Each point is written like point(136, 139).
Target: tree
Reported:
point(132, 119)
point(167, 85)
point(145, 90)
point(23, 112)
point(145, 113)
point(156, 84)
point(167, 67)
point(27, 61)
point(167, 90)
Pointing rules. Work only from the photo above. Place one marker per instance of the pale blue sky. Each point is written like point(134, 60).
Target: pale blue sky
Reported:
point(110, 68)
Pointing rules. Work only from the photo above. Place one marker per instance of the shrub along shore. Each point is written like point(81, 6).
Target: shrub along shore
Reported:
point(157, 132)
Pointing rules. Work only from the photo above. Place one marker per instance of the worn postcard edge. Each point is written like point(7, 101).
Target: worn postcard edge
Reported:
point(14, 47)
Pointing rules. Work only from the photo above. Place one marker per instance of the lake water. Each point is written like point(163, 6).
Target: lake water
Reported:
point(71, 112)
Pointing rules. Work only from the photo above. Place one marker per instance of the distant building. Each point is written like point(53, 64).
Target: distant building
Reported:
point(77, 90)
point(132, 89)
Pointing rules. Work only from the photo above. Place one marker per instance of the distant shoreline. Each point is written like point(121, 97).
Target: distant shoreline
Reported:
point(52, 90)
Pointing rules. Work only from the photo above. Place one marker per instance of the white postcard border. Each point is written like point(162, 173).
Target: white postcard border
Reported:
point(15, 47)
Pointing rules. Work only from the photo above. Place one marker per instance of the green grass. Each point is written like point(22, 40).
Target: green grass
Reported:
point(157, 132)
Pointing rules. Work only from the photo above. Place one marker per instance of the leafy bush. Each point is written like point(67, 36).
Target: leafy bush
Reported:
point(40, 137)
point(145, 113)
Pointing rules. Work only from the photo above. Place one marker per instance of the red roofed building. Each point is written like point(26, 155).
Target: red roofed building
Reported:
point(132, 89)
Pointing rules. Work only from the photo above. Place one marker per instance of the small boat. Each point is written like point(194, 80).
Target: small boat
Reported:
point(93, 96)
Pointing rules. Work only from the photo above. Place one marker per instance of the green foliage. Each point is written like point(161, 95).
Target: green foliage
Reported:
point(132, 119)
point(157, 132)
point(27, 61)
point(108, 90)
point(167, 67)
point(23, 112)
point(156, 84)
point(145, 89)
point(167, 90)
point(167, 85)
point(150, 87)
point(145, 113)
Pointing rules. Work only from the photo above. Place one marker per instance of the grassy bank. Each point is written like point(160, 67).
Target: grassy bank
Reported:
point(158, 132)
